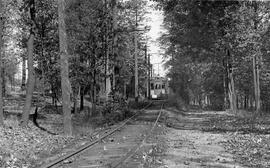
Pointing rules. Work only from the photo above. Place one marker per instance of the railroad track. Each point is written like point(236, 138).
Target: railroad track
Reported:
point(124, 159)
point(119, 161)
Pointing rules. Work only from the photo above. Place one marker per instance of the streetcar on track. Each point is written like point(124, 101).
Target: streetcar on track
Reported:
point(159, 87)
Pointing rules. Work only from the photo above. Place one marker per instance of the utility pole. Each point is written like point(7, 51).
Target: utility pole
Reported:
point(136, 59)
point(151, 70)
point(158, 69)
point(148, 76)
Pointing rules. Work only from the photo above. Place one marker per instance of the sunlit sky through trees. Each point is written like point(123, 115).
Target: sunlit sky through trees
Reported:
point(155, 22)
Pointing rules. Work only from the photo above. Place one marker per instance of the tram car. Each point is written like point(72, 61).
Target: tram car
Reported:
point(159, 88)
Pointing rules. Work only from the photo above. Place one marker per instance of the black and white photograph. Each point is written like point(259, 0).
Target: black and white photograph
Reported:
point(134, 83)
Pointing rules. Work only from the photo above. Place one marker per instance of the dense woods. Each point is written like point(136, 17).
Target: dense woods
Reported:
point(74, 58)
point(88, 61)
point(218, 52)
point(71, 51)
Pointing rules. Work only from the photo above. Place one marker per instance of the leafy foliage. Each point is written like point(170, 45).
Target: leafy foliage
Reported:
point(198, 35)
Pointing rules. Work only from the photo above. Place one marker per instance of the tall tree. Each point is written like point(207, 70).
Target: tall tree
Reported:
point(115, 39)
point(136, 89)
point(1, 51)
point(65, 83)
point(108, 86)
point(30, 62)
point(256, 64)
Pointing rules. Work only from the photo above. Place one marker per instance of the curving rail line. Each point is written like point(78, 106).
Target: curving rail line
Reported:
point(87, 146)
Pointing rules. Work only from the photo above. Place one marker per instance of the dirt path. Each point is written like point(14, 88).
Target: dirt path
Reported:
point(178, 141)
point(188, 146)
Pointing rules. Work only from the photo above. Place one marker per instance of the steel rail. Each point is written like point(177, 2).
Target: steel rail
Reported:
point(87, 146)
point(134, 150)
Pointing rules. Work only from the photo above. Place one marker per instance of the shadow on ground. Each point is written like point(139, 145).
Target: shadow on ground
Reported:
point(219, 122)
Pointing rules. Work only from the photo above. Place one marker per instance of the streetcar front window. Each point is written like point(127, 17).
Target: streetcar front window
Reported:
point(152, 86)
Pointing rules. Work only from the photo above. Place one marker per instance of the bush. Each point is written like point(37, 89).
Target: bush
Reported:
point(115, 110)
point(176, 101)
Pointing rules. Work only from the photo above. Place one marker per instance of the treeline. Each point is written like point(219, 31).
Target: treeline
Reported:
point(73, 48)
point(218, 52)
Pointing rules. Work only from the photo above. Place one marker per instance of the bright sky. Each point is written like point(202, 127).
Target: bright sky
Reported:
point(155, 22)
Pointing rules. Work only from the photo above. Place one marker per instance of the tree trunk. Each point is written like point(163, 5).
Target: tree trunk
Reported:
point(107, 80)
point(1, 48)
point(225, 84)
point(65, 83)
point(255, 80)
point(115, 38)
point(258, 109)
point(125, 90)
point(75, 100)
point(3, 78)
point(92, 110)
point(136, 89)
point(94, 101)
point(42, 65)
point(256, 71)
point(232, 94)
point(256, 77)
point(81, 100)
point(30, 83)
point(95, 94)
point(31, 77)
point(231, 87)
point(23, 73)
point(107, 59)
point(245, 102)
point(251, 102)
point(237, 102)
